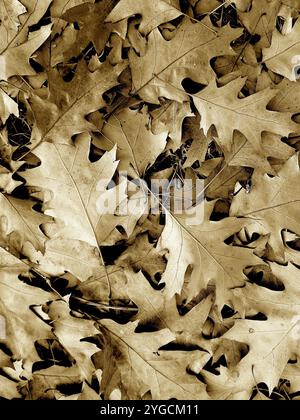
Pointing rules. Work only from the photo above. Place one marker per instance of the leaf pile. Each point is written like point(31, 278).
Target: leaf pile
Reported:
point(96, 96)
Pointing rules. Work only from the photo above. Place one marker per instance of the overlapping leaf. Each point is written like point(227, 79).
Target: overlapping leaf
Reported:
point(107, 288)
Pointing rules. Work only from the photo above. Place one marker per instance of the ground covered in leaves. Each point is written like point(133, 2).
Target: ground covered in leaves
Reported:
point(97, 100)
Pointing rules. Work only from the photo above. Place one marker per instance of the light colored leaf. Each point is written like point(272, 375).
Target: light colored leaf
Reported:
point(138, 147)
point(198, 254)
point(283, 55)
point(274, 202)
point(15, 60)
point(153, 13)
point(142, 364)
point(249, 115)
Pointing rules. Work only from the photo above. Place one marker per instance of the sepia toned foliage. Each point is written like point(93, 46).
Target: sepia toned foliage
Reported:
point(101, 297)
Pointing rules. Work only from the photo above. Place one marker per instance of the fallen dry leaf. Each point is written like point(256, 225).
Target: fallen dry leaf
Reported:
point(149, 200)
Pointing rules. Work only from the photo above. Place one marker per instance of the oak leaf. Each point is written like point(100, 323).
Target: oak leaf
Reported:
point(73, 193)
point(59, 7)
point(287, 98)
point(156, 309)
point(73, 334)
point(272, 341)
point(18, 44)
point(261, 20)
point(15, 60)
point(283, 55)
point(17, 23)
point(92, 26)
point(7, 106)
point(274, 202)
point(10, 10)
point(63, 113)
point(169, 117)
point(244, 154)
point(199, 253)
point(23, 325)
point(138, 147)
point(20, 224)
point(249, 115)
